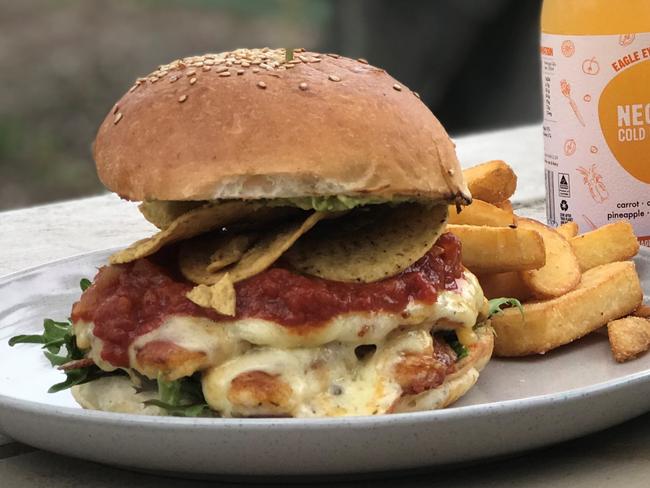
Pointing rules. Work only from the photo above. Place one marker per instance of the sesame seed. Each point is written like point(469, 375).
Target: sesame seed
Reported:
point(397, 87)
point(362, 60)
point(315, 60)
point(241, 71)
point(221, 69)
point(416, 94)
point(245, 64)
point(332, 55)
point(303, 86)
point(334, 78)
point(182, 98)
point(207, 68)
point(132, 89)
point(173, 79)
point(256, 70)
point(225, 73)
point(256, 61)
point(209, 62)
point(450, 172)
point(199, 64)
point(117, 118)
point(116, 108)
point(192, 80)
point(191, 72)
point(261, 84)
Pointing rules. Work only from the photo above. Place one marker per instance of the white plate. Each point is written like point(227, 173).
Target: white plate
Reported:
point(516, 405)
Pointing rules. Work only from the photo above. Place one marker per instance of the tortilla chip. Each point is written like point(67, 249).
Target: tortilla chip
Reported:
point(200, 258)
point(370, 244)
point(162, 213)
point(230, 250)
point(218, 291)
point(271, 246)
point(208, 217)
point(220, 296)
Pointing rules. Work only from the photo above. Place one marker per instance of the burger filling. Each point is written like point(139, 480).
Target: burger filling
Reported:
point(298, 343)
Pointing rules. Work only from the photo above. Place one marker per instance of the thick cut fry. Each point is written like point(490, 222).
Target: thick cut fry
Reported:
point(568, 230)
point(561, 273)
point(609, 243)
point(491, 182)
point(505, 205)
point(480, 213)
point(508, 284)
point(642, 311)
point(499, 249)
point(605, 293)
point(628, 337)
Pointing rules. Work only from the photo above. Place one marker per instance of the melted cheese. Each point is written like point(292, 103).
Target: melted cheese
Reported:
point(194, 334)
point(325, 381)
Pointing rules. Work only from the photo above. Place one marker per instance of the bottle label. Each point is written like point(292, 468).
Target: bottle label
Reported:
point(597, 130)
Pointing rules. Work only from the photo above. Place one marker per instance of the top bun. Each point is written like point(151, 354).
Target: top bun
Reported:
point(248, 124)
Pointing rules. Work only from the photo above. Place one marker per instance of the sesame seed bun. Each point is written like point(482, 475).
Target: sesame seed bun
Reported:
point(248, 124)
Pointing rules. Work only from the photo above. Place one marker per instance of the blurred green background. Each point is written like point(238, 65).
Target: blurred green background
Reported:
point(65, 62)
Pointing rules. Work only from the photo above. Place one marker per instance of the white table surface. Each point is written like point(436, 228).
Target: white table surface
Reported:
point(619, 456)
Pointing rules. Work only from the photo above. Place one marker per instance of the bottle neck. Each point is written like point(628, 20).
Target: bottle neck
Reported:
point(595, 17)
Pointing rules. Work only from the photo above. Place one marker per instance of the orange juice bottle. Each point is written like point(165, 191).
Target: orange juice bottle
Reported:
point(596, 90)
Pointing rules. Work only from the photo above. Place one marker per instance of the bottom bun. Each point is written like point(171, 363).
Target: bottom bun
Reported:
point(118, 394)
point(456, 384)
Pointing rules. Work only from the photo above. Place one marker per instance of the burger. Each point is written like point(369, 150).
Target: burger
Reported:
point(301, 266)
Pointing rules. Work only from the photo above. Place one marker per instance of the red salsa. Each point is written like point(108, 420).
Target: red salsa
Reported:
point(127, 301)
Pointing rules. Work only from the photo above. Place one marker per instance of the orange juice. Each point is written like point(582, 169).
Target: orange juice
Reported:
point(596, 88)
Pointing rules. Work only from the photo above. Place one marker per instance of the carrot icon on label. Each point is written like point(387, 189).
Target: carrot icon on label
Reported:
point(565, 87)
point(594, 181)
